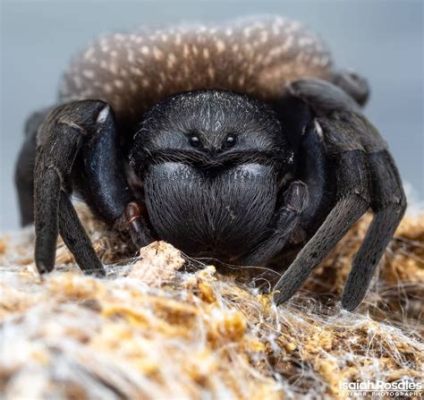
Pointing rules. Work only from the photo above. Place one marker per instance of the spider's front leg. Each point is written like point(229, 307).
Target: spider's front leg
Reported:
point(295, 199)
point(365, 177)
point(77, 148)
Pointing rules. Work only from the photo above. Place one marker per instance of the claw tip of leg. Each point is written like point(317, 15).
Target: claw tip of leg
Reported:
point(101, 274)
point(42, 268)
point(278, 297)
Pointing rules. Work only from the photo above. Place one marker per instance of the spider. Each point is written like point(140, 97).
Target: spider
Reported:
point(240, 142)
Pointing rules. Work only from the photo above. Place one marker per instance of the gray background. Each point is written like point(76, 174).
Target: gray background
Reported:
point(381, 39)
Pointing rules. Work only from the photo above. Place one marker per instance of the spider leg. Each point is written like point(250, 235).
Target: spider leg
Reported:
point(76, 148)
point(365, 176)
point(388, 203)
point(352, 204)
point(59, 140)
point(294, 201)
point(355, 85)
point(100, 166)
point(75, 237)
point(24, 170)
point(46, 213)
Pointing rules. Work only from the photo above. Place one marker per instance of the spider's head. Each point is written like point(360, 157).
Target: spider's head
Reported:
point(209, 123)
point(211, 163)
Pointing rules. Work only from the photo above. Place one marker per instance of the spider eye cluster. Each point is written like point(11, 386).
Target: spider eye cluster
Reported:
point(195, 141)
point(230, 141)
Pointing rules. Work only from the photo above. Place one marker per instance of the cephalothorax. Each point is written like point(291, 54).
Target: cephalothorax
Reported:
point(238, 142)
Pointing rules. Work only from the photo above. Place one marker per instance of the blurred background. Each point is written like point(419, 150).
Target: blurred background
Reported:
point(382, 40)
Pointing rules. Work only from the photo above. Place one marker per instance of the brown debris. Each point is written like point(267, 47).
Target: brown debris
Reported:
point(151, 329)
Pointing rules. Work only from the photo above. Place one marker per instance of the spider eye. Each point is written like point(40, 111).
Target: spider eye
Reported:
point(195, 141)
point(230, 141)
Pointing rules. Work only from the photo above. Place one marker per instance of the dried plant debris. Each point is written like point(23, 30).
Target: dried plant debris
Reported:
point(154, 329)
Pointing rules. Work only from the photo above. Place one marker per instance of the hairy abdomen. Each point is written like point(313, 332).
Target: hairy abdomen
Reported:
point(132, 71)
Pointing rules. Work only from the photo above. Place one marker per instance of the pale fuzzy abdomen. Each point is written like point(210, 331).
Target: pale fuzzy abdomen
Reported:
point(133, 71)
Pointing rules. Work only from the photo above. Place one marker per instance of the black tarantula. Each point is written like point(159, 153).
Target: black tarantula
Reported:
point(238, 142)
